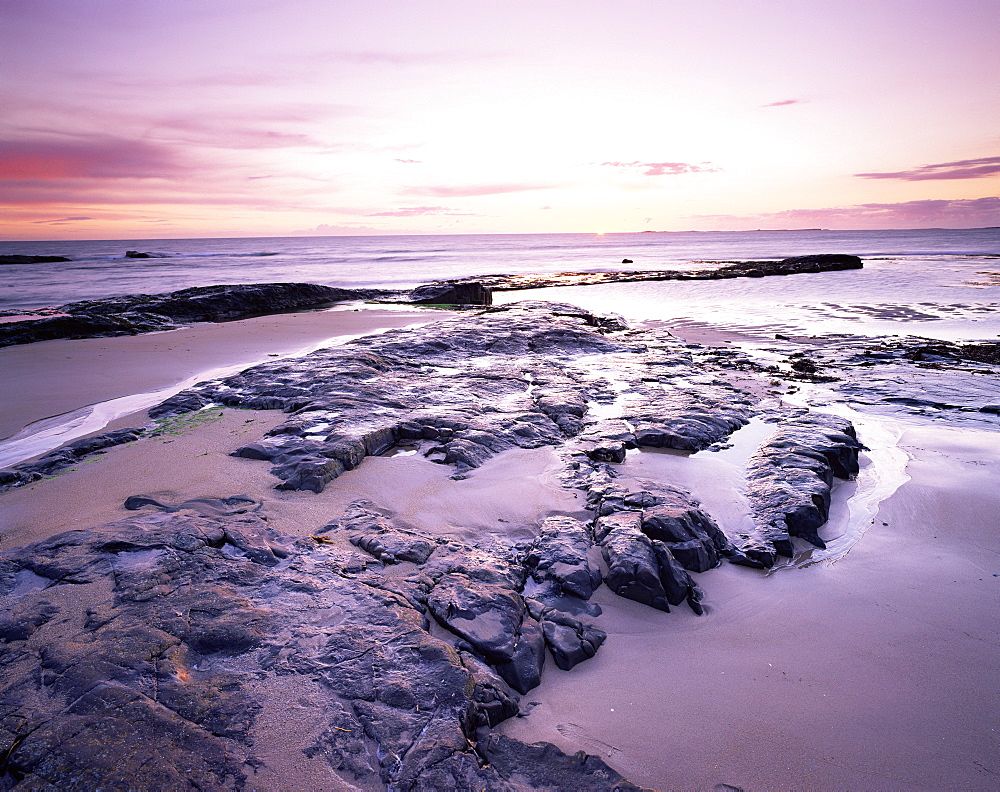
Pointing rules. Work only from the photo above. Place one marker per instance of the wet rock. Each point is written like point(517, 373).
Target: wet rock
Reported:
point(144, 313)
point(789, 480)
point(640, 568)
point(523, 671)
point(633, 567)
point(66, 456)
point(161, 682)
point(823, 262)
point(560, 554)
point(372, 532)
point(570, 640)
point(544, 766)
point(689, 421)
point(209, 507)
point(487, 616)
point(495, 700)
point(468, 293)
point(19, 259)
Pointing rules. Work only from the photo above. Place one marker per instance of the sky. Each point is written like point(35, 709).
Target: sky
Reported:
point(227, 118)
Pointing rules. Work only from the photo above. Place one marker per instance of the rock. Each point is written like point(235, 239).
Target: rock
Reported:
point(467, 293)
point(633, 567)
point(823, 262)
point(570, 640)
point(18, 259)
point(560, 554)
point(544, 766)
point(789, 480)
point(162, 682)
point(627, 261)
point(375, 534)
point(487, 616)
point(66, 456)
point(143, 313)
point(135, 254)
point(523, 671)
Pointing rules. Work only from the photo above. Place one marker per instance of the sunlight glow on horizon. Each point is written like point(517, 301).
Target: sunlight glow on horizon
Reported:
point(254, 118)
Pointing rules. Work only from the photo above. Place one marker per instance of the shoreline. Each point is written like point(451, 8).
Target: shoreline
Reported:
point(854, 644)
point(92, 372)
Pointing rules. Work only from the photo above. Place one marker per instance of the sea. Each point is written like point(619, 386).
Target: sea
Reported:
point(938, 283)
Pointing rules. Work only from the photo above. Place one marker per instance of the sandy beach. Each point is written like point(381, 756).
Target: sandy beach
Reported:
point(90, 371)
point(875, 671)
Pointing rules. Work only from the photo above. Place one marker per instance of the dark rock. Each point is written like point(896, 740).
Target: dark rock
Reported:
point(633, 567)
point(609, 451)
point(523, 671)
point(161, 684)
point(627, 261)
point(790, 479)
point(487, 616)
point(544, 766)
point(143, 313)
point(468, 293)
point(570, 640)
point(18, 259)
point(824, 262)
point(375, 534)
point(67, 456)
point(560, 554)
point(135, 254)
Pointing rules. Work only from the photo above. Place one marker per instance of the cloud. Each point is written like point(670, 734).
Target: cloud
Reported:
point(417, 211)
point(409, 161)
point(661, 168)
point(960, 169)
point(784, 103)
point(93, 158)
point(328, 229)
point(960, 213)
point(61, 220)
point(472, 190)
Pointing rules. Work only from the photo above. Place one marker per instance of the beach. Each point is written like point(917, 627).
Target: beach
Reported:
point(863, 664)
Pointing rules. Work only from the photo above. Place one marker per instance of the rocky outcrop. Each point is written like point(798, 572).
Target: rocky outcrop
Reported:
point(469, 293)
point(19, 259)
point(144, 313)
point(824, 262)
point(66, 456)
point(409, 645)
point(194, 631)
point(789, 480)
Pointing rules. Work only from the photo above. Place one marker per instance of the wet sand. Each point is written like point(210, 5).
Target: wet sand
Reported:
point(876, 672)
point(50, 378)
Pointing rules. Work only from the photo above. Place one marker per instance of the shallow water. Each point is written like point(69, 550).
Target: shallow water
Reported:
point(100, 268)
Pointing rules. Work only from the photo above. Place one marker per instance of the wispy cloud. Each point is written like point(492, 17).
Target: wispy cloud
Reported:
point(331, 229)
point(960, 169)
point(784, 103)
point(417, 211)
point(662, 168)
point(409, 161)
point(966, 213)
point(61, 220)
point(472, 190)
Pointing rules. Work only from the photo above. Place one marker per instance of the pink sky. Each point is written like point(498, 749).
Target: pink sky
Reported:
point(186, 118)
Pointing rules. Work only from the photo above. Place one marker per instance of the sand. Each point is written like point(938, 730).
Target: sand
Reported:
point(51, 378)
point(875, 672)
